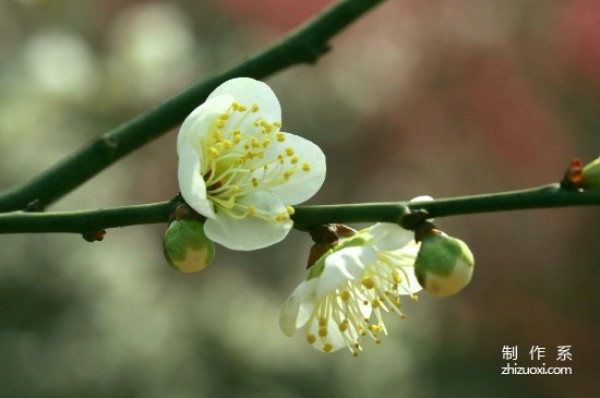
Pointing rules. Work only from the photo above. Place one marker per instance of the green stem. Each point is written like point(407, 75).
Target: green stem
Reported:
point(547, 196)
point(304, 45)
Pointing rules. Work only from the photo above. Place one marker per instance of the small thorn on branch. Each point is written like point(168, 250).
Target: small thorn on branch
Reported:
point(94, 236)
point(34, 206)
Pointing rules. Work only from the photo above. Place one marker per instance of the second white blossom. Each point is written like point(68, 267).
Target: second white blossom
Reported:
point(346, 290)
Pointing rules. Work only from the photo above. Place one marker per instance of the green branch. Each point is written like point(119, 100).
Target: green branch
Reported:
point(303, 46)
point(83, 222)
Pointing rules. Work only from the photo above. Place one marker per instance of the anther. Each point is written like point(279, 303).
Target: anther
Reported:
point(343, 326)
point(213, 152)
point(368, 282)
point(345, 295)
point(306, 166)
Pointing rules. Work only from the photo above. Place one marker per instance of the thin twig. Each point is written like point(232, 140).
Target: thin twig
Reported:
point(83, 222)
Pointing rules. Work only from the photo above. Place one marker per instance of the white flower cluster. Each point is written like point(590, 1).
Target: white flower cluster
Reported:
point(243, 174)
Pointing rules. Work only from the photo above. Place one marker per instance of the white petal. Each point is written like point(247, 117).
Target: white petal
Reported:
point(297, 307)
point(303, 184)
point(344, 265)
point(409, 284)
point(191, 183)
point(248, 92)
point(422, 198)
point(196, 126)
point(250, 233)
point(408, 255)
point(388, 236)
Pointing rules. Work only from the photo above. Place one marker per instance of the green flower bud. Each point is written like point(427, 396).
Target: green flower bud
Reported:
point(591, 175)
point(186, 247)
point(444, 264)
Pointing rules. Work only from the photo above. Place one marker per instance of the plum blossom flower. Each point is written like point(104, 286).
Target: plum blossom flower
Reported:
point(239, 170)
point(348, 287)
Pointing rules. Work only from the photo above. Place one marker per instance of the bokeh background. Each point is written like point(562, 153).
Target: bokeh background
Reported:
point(435, 97)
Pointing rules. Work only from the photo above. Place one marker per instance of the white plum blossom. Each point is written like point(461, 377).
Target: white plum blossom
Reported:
point(347, 288)
point(240, 171)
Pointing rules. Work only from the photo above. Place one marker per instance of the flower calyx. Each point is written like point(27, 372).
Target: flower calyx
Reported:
point(325, 238)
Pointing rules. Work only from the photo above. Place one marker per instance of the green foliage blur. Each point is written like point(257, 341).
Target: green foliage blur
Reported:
point(434, 97)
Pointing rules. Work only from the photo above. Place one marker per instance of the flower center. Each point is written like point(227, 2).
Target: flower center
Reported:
point(349, 307)
point(244, 154)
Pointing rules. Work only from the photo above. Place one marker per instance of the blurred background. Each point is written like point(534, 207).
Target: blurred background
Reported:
point(439, 97)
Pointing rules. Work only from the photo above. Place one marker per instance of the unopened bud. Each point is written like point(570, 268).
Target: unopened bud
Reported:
point(591, 175)
point(444, 264)
point(186, 247)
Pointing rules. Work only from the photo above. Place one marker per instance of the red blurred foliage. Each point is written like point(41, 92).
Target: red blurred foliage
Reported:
point(282, 15)
point(578, 39)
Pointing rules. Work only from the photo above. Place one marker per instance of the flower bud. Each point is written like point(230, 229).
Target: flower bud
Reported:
point(186, 247)
point(444, 264)
point(591, 175)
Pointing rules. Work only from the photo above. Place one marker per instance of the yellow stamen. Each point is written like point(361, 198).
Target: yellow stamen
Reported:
point(213, 152)
point(368, 282)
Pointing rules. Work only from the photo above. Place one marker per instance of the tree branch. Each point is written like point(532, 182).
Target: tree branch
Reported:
point(304, 45)
point(83, 222)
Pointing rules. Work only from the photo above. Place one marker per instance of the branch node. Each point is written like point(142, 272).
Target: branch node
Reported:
point(414, 219)
point(573, 177)
point(109, 143)
point(34, 206)
point(315, 51)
